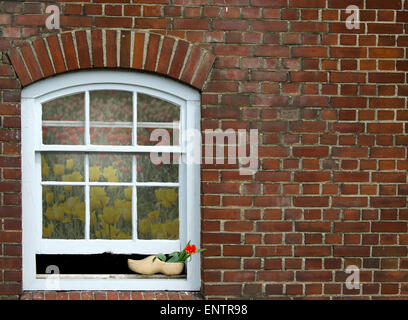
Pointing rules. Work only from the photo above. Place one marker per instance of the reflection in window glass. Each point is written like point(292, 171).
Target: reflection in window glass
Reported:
point(111, 116)
point(111, 213)
point(151, 109)
point(111, 136)
point(58, 166)
point(111, 106)
point(110, 167)
point(63, 135)
point(157, 209)
point(68, 108)
point(147, 171)
point(162, 137)
point(63, 212)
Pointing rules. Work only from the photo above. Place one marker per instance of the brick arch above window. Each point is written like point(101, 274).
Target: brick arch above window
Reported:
point(104, 48)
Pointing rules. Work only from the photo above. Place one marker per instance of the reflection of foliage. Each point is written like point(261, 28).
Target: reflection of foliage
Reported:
point(109, 167)
point(111, 216)
point(111, 105)
point(62, 135)
point(58, 166)
point(63, 212)
point(68, 108)
point(111, 136)
point(144, 137)
point(157, 213)
point(151, 109)
point(110, 206)
point(155, 173)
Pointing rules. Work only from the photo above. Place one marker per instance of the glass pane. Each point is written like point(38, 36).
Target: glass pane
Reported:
point(68, 108)
point(111, 136)
point(154, 136)
point(111, 116)
point(63, 212)
point(110, 167)
point(162, 167)
point(111, 106)
point(57, 166)
point(151, 109)
point(111, 212)
point(157, 212)
point(63, 135)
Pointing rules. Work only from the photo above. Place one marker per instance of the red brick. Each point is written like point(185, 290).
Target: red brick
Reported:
point(139, 39)
point(125, 38)
point(111, 48)
point(152, 52)
point(19, 66)
point(97, 48)
point(56, 54)
point(178, 59)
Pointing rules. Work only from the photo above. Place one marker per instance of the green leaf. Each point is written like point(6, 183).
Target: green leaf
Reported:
point(161, 257)
point(174, 259)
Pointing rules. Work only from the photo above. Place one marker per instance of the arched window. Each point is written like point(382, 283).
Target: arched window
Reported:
point(92, 185)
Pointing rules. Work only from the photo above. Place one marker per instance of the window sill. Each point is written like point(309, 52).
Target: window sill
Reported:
point(109, 276)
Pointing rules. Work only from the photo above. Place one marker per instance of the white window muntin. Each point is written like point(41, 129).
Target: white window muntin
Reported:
point(32, 98)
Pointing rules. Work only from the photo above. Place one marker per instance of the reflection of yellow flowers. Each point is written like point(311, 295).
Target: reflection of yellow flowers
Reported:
point(111, 232)
point(128, 193)
point(61, 197)
point(110, 215)
point(56, 212)
point(144, 226)
point(45, 169)
point(68, 188)
point(70, 203)
point(49, 197)
point(158, 231)
point(167, 230)
point(172, 228)
point(79, 211)
point(93, 219)
point(166, 196)
point(59, 169)
point(153, 215)
point(47, 231)
point(74, 176)
point(70, 164)
point(110, 174)
point(98, 197)
point(94, 173)
point(124, 208)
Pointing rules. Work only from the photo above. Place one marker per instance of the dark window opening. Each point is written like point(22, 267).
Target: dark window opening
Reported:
point(105, 263)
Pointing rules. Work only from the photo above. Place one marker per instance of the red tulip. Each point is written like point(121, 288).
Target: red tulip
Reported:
point(190, 249)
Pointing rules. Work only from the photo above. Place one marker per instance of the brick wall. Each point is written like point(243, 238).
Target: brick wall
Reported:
point(330, 106)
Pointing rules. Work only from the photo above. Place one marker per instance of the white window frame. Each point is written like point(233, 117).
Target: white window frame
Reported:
point(189, 183)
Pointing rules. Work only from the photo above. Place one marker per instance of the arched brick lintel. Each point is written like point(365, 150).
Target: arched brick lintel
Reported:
point(105, 48)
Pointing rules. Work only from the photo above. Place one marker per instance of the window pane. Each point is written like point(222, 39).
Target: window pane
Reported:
point(63, 212)
point(68, 108)
point(57, 166)
point(110, 167)
point(164, 171)
point(111, 106)
point(111, 136)
point(111, 116)
point(63, 135)
point(111, 212)
point(157, 210)
point(151, 109)
point(157, 136)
